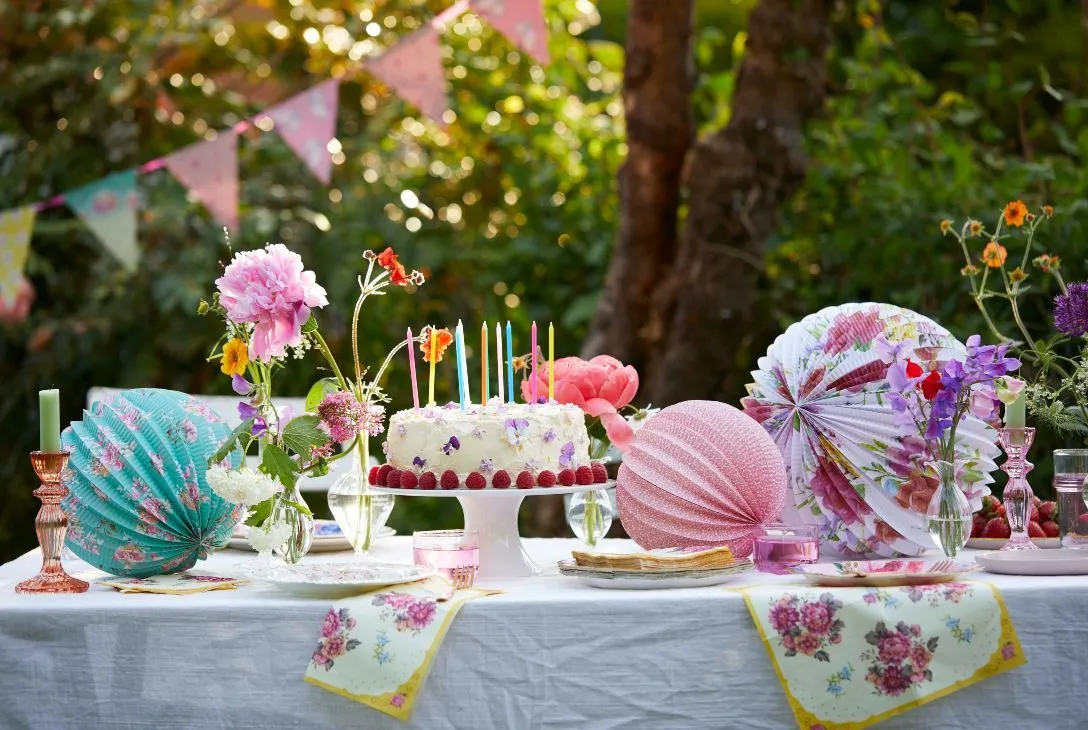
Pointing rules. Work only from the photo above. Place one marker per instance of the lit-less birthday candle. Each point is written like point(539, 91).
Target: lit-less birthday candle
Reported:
point(485, 386)
point(412, 369)
point(509, 363)
point(532, 372)
point(551, 362)
point(433, 347)
point(459, 344)
point(49, 420)
point(498, 359)
point(1015, 413)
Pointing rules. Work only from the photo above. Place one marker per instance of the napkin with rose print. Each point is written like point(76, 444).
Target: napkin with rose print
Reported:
point(378, 647)
point(850, 657)
point(178, 584)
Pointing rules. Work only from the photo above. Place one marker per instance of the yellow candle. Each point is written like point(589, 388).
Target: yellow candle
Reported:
point(484, 385)
point(551, 362)
point(434, 356)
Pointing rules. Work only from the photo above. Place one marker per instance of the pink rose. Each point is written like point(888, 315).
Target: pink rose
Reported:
point(335, 645)
point(332, 624)
point(269, 289)
point(783, 617)
point(919, 658)
point(787, 642)
point(420, 614)
point(894, 648)
point(816, 617)
point(807, 643)
point(599, 387)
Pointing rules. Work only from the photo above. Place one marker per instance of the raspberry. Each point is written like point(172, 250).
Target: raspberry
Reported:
point(1051, 528)
point(449, 480)
point(1035, 530)
point(393, 480)
point(501, 480)
point(383, 475)
point(567, 477)
point(997, 527)
point(546, 478)
point(525, 480)
point(600, 473)
point(373, 479)
point(584, 475)
point(475, 480)
point(427, 480)
point(408, 479)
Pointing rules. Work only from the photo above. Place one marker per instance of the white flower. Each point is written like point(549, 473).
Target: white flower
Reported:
point(268, 537)
point(242, 486)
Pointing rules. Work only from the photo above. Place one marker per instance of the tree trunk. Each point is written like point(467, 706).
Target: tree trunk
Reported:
point(739, 178)
point(657, 84)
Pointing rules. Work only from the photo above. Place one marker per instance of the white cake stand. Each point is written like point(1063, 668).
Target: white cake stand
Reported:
point(493, 513)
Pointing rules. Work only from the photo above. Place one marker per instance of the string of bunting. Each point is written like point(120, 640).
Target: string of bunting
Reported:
point(306, 122)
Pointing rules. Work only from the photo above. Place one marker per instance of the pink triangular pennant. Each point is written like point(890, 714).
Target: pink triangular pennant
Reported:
point(413, 68)
point(210, 171)
point(307, 122)
point(521, 21)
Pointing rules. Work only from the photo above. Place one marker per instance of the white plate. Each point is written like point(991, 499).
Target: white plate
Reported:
point(1036, 562)
point(646, 580)
point(882, 573)
point(334, 580)
point(327, 537)
point(996, 543)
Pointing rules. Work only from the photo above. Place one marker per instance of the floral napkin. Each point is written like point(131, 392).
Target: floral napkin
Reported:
point(850, 657)
point(378, 647)
point(177, 584)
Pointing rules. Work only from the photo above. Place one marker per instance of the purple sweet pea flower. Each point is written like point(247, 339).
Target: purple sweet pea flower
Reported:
point(246, 412)
point(893, 352)
point(241, 385)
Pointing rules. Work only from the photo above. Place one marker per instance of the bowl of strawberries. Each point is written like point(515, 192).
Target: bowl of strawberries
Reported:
point(990, 527)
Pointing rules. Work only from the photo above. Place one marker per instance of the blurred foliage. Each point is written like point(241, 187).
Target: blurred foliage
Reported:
point(938, 109)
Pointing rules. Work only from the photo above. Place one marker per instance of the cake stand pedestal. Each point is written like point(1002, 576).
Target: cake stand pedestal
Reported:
point(493, 513)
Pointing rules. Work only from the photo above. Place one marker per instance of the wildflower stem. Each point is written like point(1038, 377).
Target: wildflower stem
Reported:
point(990, 323)
point(324, 347)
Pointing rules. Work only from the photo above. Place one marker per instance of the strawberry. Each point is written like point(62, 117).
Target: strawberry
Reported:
point(1050, 528)
point(427, 480)
point(1036, 501)
point(1048, 511)
point(501, 480)
point(997, 527)
point(1035, 530)
point(475, 480)
point(525, 480)
point(600, 473)
point(393, 480)
point(546, 478)
point(449, 480)
point(978, 524)
point(999, 510)
point(989, 504)
point(408, 479)
point(373, 478)
point(567, 477)
point(383, 475)
point(584, 475)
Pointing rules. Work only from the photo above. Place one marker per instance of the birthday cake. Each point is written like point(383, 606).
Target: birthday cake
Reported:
point(494, 446)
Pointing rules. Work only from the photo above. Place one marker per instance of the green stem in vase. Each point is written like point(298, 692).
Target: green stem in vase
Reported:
point(592, 515)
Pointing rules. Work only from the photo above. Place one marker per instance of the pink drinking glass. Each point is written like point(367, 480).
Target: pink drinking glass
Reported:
point(455, 554)
point(782, 547)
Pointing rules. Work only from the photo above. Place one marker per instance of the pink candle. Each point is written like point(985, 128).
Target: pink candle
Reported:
point(532, 376)
point(412, 368)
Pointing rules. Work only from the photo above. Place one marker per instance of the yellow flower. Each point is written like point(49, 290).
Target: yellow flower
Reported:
point(235, 357)
point(866, 21)
point(1015, 213)
point(1017, 275)
point(946, 226)
point(975, 227)
point(994, 255)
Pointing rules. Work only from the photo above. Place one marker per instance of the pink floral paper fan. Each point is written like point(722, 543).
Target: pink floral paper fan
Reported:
point(700, 473)
point(852, 470)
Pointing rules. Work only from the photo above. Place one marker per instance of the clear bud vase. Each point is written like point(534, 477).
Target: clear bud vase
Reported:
point(589, 515)
point(1017, 496)
point(300, 523)
point(354, 506)
point(948, 517)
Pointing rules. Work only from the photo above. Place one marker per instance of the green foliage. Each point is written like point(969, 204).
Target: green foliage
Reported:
point(301, 435)
point(277, 463)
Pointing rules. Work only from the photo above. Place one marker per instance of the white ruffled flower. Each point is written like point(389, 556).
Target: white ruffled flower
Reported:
point(268, 537)
point(242, 486)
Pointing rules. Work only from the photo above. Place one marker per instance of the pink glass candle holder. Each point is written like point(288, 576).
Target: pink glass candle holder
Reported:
point(782, 547)
point(455, 554)
point(51, 524)
point(1018, 495)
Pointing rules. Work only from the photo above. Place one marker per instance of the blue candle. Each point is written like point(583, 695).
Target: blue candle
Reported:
point(459, 342)
point(509, 363)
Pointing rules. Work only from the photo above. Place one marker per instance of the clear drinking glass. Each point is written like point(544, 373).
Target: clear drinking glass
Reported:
point(783, 547)
point(1070, 472)
point(455, 554)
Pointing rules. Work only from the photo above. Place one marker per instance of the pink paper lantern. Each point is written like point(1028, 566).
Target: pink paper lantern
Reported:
point(700, 473)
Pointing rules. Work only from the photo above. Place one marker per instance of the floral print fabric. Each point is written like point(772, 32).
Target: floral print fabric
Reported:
point(378, 647)
point(850, 657)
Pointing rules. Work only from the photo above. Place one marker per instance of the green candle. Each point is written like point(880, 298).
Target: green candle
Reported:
point(1015, 413)
point(49, 416)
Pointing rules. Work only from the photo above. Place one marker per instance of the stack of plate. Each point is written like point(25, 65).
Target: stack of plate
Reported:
point(667, 568)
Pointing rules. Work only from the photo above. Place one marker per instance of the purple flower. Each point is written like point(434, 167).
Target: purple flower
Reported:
point(452, 445)
point(419, 461)
point(487, 466)
point(341, 414)
point(549, 436)
point(893, 352)
point(566, 455)
point(515, 430)
point(246, 412)
point(241, 385)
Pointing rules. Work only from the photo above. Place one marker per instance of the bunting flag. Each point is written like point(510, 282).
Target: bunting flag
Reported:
point(108, 208)
point(413, 68)
point(210, 172)
point(307, 122)
point(521, 21)
point(15, 228)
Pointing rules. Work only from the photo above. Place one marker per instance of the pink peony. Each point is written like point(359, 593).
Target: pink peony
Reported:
point(335, 645)
point(816, 617)
point(807, 643)
point(919, 658)
point(894, 682)
point(420, 614)
point(894, 648)
point(332, 624)
point(783, 617)
point(269, 289)
point(599, 387)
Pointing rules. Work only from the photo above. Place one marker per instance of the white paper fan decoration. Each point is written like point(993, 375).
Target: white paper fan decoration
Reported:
point(851, 468)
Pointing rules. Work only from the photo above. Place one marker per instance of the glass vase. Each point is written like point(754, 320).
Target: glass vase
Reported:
point(1017, 496)
point(1071, 491)
point(300, 523)
point(589, 515)
point(359, 512)
point(948, 517)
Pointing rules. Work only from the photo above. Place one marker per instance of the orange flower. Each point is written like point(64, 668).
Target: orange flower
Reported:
point(442, 340)
point(946, 226)
point(1048, 210)
point(1048, 263)
point(387, 259)
point(975, 227)
point(398, 275)
point(1017, 275)
point(1015, 213)
point(994, 255)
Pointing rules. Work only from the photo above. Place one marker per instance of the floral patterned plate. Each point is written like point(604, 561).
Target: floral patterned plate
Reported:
point(335, 580)
point(650, 580)
point(884, 573)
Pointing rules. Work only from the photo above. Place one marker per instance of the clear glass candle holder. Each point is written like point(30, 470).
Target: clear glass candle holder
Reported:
point(454, 554)
point(782, 547)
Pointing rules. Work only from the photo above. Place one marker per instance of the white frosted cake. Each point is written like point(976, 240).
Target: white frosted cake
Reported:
point(493, 446)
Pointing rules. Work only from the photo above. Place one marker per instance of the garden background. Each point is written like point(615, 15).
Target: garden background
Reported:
point(933, 110)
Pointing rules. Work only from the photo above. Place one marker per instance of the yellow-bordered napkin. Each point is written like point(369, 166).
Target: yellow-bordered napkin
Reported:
point(177, 584)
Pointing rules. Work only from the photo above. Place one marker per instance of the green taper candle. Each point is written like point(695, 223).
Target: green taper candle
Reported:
point(1015, 413)
point(49, 415)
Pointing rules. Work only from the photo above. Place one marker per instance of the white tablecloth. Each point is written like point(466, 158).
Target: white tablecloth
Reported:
point(548, 653)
